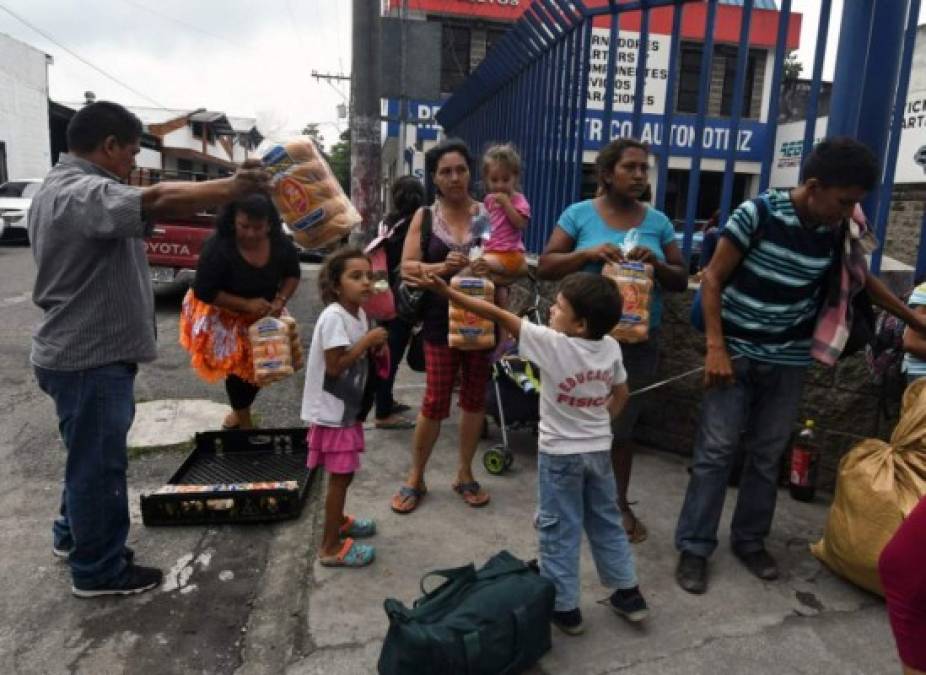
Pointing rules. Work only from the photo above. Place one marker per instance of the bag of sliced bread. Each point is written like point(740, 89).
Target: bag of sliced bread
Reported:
point(295, 342)
point(635, 281)
point(271, 350)
point(468, 331)
point(308, 196)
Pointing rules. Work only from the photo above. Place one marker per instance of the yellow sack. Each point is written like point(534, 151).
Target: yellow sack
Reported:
point(877, 487)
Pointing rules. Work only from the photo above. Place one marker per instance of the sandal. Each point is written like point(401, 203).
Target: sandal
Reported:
point(397, 423)
point(472, 493)
point(350, 555)
point(357, 528)
point(407, 498)
point(637, 532)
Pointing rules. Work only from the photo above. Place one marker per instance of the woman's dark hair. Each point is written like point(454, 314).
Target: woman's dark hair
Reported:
point(594, 298)
point(842, 162)
point(407, 197)
point(329, 276)
point(611, 154)
point(257, 205)
point(433, 156)
point(94, 123)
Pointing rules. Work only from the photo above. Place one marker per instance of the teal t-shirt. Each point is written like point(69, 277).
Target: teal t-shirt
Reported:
point(582, 222)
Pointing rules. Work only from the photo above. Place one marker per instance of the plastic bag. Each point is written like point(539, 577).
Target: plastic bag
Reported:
point(635, 281)
point(309, 198)
point(878, 485)
point(295, 342)
point(468, 331)
point(271, 350)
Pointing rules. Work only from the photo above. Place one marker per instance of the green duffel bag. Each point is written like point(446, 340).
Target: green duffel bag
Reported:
point(486, 622)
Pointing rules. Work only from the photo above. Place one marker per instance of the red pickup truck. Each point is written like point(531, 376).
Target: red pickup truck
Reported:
point(174, 246)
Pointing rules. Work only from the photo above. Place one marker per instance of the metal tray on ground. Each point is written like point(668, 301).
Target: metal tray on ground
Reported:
point(235, 477)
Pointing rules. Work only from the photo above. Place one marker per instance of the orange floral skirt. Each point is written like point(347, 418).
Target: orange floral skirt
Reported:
point(216, 339)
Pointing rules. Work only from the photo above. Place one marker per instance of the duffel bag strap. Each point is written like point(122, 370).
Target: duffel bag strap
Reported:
point(396, 611)
point(472, 651)
point(519, 615)
point(501, 568)
point(466, 572)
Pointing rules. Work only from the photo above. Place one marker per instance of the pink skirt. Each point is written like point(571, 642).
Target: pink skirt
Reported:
point(336, 449)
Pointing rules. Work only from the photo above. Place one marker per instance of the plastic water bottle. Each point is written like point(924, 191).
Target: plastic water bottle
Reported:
point(805, 457)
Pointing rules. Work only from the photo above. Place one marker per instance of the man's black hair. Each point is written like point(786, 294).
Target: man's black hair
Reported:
point(94, 123)
point(407, 197)
point(842, 162)
point(595, 299)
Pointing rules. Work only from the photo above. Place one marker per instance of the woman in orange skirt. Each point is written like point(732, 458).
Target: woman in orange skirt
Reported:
point(247, 270)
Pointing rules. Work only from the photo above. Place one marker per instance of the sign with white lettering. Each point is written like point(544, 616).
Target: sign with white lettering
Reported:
point(715, 139)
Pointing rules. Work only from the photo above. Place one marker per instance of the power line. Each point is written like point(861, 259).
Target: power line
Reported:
point(79, 57)
point(179, 22)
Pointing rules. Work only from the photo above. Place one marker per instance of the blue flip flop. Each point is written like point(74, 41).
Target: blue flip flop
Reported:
point(358, 527)
point(350, 555)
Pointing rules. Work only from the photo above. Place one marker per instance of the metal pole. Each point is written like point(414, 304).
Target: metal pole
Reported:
point(880, 86)
point(366, 146)
point(810, 126)
point(851, 57)
point(883, 193)
point(665, 148)
point(784, 18)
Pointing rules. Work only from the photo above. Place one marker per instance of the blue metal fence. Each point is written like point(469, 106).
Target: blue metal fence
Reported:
point(533, 90)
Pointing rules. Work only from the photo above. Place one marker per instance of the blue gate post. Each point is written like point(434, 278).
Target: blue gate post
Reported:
point(665, 148)
point(851, 57)
point(890, 163)
point(880, 90)
point(694, 174)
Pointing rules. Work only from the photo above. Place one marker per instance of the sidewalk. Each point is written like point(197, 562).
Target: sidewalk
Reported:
point(808, 621)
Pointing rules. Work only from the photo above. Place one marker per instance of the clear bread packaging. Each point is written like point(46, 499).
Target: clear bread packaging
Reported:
point(270, 350)
point(635, 281)
point(468, 331)
point(309, 198)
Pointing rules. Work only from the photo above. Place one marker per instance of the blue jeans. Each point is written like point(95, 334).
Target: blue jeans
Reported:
point(577, 491)
point(399, 334)
point(95, 411)
point(763, 404)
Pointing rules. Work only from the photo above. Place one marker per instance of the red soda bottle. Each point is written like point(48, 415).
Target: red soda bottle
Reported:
point(805, 455)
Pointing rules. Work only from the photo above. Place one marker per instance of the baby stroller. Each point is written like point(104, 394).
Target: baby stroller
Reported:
point(513, 398)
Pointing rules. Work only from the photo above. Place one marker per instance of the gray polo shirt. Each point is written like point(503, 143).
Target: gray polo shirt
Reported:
point(93, 283)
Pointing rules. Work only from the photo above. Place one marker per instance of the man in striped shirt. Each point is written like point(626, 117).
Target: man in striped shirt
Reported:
point(761, 294)
point(93, 285)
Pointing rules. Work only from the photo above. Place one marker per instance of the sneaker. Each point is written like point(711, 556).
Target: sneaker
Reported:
point(134, 579)
point(570, 622)
point(759, 563)
point(691, 573)
point(629, 603)
point(64, 553)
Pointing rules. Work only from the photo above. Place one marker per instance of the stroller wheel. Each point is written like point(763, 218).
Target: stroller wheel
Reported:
point(494, 461)
point(509, 460)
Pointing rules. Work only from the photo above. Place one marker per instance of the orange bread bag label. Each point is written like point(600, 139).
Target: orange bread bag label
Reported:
point(635, 281)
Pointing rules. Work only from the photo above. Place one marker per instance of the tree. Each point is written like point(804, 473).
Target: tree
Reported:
point(792, 68)
point(339, 159)
point(311, 130)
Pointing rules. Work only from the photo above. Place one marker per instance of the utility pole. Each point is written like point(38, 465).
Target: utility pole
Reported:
point(366, 144)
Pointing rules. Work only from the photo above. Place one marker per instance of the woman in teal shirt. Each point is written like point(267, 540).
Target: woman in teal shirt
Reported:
point(591, 233)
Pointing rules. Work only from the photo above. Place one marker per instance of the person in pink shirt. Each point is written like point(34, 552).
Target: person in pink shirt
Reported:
point(507, 209)
point(508, 212)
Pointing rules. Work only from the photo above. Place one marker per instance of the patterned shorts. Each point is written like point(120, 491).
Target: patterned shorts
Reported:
point(441, 366)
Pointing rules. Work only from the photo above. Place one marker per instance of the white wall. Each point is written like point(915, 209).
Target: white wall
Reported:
point(24, 109)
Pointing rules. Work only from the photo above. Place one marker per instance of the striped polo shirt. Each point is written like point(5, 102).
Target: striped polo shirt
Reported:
point(93, 283)
point(769, 307)
point(913, 366)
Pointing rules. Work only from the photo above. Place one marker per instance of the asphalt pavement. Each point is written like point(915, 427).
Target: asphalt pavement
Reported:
point(251, 599)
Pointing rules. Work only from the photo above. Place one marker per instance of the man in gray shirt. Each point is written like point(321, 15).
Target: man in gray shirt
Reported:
point(87, 232)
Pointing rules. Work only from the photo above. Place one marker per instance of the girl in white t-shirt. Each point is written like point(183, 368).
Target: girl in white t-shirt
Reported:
point(332, 400)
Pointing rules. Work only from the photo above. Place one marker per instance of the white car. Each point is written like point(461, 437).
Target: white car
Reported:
point(15, 199)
